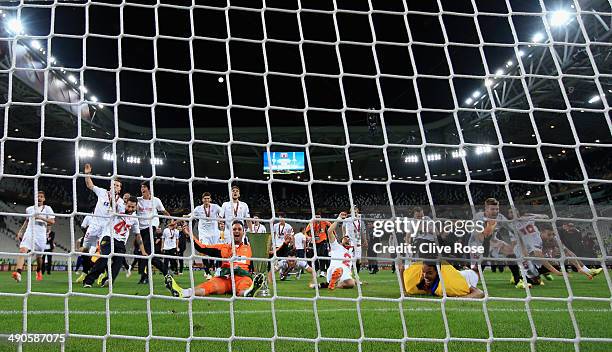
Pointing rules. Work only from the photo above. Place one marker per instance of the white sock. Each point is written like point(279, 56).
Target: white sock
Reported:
point(187, 292)
point(585, 269)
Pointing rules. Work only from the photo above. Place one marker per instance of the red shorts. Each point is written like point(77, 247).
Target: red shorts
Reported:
point(222, 285)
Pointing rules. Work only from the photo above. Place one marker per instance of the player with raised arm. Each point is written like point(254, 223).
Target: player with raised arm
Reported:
point(109, 202)
point(148, 207)
point(33, 234)
point(243, 281)
point(236, 210)
point(339, 274)
point(208, 215)
point(318, 231)
point(170, 239)
point(423, 278)
point(355, 228)
point(119, 230)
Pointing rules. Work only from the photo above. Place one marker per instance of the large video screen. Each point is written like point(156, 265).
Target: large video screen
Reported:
point(284, 162)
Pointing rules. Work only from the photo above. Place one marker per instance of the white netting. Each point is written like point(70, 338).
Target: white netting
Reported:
point(553, 67)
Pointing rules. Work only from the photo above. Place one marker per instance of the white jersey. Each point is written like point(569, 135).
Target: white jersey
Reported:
point(258, 228)
point(207, 227)
point(299, 240)
point(121, 227)
point(231, 211)
point(104, 207)
point(470, 277)
point(529, 232)
point(148, 208)
point(279, 232)
point(338, 251)
point(169, 238)
point(355, 229)
point(38, 228)
point(502, 222)
point(86, 222)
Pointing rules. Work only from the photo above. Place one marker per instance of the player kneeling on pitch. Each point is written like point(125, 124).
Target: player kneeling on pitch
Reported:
point(245, 284)
point(423, 279)
point(339, 273)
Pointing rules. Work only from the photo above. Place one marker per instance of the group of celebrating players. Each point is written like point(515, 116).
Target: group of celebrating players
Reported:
point(337, 246)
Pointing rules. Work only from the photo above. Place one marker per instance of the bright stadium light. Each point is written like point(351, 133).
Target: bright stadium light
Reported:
point(83, 89)
point(133, 160)
point(509, 63)
point(411, 159)
point(157, 161)
point(35, 44)
point(93, 98)
point(559, 18)
point(108, 156)
point(521, 53)
point(469, 101)
point(476, 94)
point(434, 157)
point(72, 79)
point(52, 60)
point(458, 153)
point(483, 150)
point(499, 72)
point(221, 79)
point(14, 26)
point(488, 82)
point(86, 153)
point(594, 99)
point(538, 37)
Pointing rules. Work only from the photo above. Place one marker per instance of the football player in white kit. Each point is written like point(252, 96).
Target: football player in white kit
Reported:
point(281, 233)
point(339, 273)
point(208, 215)
point(109, 202)
point(236, 210)
point(35, 236)
point(119, 230)
point(258, 227)
point(355, 228)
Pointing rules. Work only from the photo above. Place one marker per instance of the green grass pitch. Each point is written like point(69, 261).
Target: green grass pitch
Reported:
point(337, 319)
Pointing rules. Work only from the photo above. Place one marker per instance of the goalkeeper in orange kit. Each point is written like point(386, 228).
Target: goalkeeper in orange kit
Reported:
point(245, 283)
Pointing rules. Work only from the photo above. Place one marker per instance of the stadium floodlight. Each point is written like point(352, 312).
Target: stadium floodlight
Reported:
point(594, 99)
point(221, 79)
point(108, 156)
point(509, 63)
point(458, 153)
point(521, 53)
point(52, 60)
point(434, 157)
point(469, 101)
point(538, 37)
point(14, 26)
point(476, 94)
point(488, 82)
point(499, 72)
point(157, 161)
point(86, 153)
point(559, 18)
point(72, 79)
point(35, 44)
point(83, 89)
point(411, 159)
point(93, 98)
point(483, 150)
point(133, 159)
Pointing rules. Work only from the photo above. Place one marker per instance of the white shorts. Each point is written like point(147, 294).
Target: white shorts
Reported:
point(346, 273)
point(33, 242)
point(470, 276)
point(93, 235)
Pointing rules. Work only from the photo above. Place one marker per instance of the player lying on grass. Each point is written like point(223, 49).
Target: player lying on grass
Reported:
point(339, 273)
point(244, 282)
point(286, 266)
point(423, 278)
point(548, 235)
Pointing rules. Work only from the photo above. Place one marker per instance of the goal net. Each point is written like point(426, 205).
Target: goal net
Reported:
point(451, 146)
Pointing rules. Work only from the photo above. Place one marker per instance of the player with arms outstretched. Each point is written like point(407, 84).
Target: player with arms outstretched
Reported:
point(35, 236)
point(246, 285)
